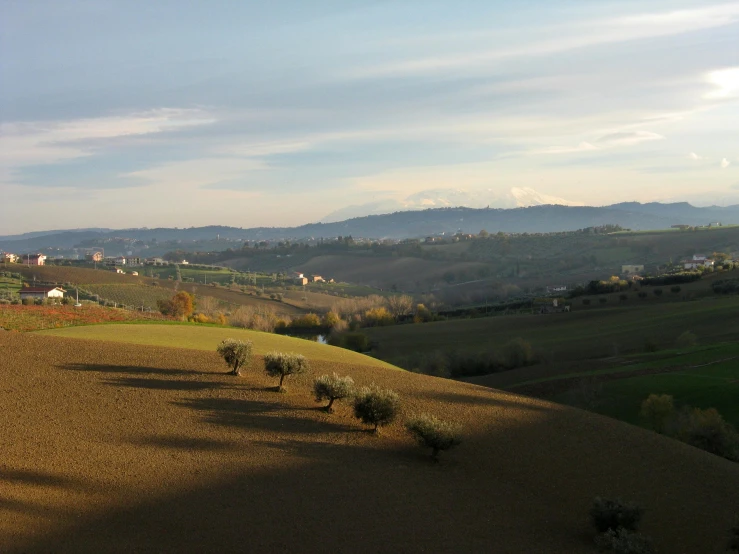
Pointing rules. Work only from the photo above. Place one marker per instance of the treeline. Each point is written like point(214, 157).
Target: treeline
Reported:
point(673, 278)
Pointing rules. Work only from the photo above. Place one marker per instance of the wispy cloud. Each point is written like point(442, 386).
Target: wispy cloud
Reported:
point(725, 163)
point(46, 142)
point(570, 37)
point(726, 83)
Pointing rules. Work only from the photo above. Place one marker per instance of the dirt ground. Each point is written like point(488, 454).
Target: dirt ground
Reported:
point(109, 447)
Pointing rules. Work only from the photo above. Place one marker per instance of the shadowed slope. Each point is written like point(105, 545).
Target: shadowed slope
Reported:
point(97, 459)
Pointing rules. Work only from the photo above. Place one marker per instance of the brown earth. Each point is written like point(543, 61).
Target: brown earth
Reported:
point(109, 447)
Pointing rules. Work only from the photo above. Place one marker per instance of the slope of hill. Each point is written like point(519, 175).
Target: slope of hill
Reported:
point(109, 447)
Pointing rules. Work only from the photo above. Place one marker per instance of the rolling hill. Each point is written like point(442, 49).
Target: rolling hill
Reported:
point(115, 447)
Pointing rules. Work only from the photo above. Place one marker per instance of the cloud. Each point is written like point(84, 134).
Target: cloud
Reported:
point(694, 156)
point(725, 163)
point(45, 142)
point(582, 147)
point(567, 37)
point(627, 138)
point(726, 83)
point(611, 140)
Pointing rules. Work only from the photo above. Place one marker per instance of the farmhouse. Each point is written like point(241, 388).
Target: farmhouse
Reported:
point(8, 258)
point(35, 259)
point(41, 292)
point(629, 269)
point(699, 260)
point(94, 257)
point(318, 279)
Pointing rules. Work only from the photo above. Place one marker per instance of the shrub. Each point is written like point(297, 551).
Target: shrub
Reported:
point(657, 292)
point(433, 433)
point(378, 317)
point(657, 410)
point(235, 353)
point(281, 364)
point(686, 340)
point(707, 430)
point(358, 342)
point(623, 541)
point(642, 294)
point(586, 301)
point(676, 289)
point(518, 353)
point(611, 514)
point(650, 345)
point(331, 388)
point(306, 321)
point(376, 406)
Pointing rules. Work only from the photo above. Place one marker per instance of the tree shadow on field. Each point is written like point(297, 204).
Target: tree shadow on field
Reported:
point(135, 370)
point(188, 443)
point(257, 415)
point(162, 384)
point(40, 479)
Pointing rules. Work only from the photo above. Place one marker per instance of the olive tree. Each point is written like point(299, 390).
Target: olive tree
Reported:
point(376, 406)
point(282, 364)
point(332, 388)
point(235, 353)
point(434, 433)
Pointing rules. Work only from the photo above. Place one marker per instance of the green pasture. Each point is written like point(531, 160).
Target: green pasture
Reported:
point(576, 335)
point(705, 384)
point(207, 338)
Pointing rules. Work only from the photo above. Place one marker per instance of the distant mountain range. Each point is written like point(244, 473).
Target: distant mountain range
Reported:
point(450, 198)
point(409, 224)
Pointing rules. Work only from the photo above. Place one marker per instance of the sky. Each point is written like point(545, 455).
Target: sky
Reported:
point(130, 113)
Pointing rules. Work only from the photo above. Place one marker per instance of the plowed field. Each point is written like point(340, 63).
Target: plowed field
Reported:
point(113, 447)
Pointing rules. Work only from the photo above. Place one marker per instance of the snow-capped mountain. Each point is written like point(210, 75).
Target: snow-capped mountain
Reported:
point(445, 198)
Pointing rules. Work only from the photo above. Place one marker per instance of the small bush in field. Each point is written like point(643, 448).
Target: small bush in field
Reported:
point(235, 353)
point(434, 433)
point(281, 364)
point(675, 289)
point(657, 409)
point(650, 345)
point(623, 541)
point(376, 406)
point(686, 340)
point(611, 514)
point(332, 388)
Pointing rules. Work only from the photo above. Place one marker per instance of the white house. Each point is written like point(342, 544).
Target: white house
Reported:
point(42, 292)
point(699, 260)
point(8, 257)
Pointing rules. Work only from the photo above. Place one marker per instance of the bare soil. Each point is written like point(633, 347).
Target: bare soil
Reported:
point(111, 447)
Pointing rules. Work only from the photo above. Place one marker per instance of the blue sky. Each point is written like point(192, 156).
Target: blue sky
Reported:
point(146, 113)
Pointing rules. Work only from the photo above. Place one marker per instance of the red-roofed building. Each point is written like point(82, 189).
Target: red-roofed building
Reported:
point(34, 259)
point(42, 292)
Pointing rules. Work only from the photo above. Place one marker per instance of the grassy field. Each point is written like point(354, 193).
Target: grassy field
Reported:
point(706, 378)
point(207, 338)
point(121, 447)
point(570, 336)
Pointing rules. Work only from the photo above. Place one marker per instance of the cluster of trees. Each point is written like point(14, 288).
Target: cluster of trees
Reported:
point(704, 429)
point(725, 286)
point(515, 353)
point(180, 306)
point(673, 278)
point(372, 405)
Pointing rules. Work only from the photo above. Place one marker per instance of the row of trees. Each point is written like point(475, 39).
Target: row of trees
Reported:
point(372, 404)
